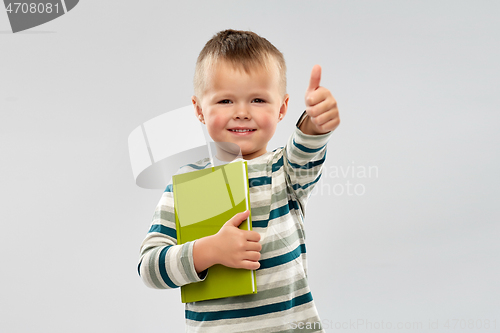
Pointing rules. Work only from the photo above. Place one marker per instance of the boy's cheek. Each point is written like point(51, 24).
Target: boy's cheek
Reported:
point(268, 123)
point(217, 123)
point(216, 127)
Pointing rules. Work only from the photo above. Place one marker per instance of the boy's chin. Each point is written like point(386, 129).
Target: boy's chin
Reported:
point(229, 147)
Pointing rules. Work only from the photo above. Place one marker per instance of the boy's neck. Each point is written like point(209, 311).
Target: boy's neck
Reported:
point(227, 152)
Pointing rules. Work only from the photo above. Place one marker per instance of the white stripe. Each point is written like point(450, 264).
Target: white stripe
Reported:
point(64, 6)
point(145, 273)
point(175, 258)
point(285, 272)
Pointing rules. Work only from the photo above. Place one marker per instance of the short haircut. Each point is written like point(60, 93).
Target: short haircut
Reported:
point(241, 49)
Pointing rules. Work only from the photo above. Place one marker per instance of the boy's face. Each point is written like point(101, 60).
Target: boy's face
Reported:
point(233, 99)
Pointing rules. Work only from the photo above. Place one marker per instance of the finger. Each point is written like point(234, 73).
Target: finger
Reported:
point(252, 236)
point(237, 219)
point(253, 246)
point(330, 124)
point(315, 78)
point(321, 117)
point(321, 94)
point(314, 98)
point(252, 256)
point(320, 103)
point(252, 265)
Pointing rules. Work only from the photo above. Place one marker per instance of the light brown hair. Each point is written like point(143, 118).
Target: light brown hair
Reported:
point(241, 49)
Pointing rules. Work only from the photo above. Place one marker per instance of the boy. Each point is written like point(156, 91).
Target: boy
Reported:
point(240, 95)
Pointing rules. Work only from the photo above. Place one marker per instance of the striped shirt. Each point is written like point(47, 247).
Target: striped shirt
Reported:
point(281, 182)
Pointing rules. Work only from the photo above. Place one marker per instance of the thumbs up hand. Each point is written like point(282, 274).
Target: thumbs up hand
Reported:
point(321, 107)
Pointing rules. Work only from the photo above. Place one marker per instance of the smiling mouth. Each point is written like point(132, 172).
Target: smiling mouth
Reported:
point(242, 130)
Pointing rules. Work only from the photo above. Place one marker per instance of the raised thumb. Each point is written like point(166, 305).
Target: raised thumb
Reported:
point(315, 78)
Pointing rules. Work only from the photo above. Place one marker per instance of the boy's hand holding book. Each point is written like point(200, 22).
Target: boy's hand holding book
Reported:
point(321, 107)
point(212, 208)
point(231, 247)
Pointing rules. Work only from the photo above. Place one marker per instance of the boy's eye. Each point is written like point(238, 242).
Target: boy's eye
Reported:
point(258, 100)
point(225, 101)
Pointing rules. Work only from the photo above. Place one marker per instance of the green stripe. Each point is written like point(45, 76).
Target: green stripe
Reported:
point(265, 208)
point(282, 242)
point(164, 215)
point(254, 168)
point(300, 155)
point(152, 266)
point(186, 265)
point(282, 290)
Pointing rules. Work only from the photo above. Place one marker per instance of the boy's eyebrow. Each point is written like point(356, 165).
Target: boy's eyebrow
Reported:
point(221, 94)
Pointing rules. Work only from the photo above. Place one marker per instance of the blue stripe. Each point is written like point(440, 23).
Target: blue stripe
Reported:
point(139, 268)
point(305, 149)
point(274, 214)
point(259, 181)
point(194, 166)
point(260, 224)
point(278, 212)
point(307, 165)
point(169, 188)
point(163, 270)
point(297, 186)
point(292, 204)
point(250, 312)
point(276, 166)
point(163, 230)
point(284, 258)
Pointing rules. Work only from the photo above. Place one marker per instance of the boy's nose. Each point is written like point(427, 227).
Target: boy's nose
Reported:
point(241, 112)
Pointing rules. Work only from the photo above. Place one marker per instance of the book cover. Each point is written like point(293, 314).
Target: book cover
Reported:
point(203, 201)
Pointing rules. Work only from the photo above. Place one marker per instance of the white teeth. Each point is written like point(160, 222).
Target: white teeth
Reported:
point(247, 130)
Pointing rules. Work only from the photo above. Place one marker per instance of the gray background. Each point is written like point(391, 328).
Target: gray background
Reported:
point(417, 84)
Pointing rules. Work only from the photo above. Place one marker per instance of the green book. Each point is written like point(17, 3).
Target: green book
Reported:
point(204, 200)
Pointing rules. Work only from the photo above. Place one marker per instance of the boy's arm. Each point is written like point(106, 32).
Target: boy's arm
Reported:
point(303, 158)
point(164, 264)
point(305, 151)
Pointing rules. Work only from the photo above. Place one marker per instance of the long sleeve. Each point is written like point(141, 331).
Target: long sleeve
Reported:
point(304, 156)
point(164, 264)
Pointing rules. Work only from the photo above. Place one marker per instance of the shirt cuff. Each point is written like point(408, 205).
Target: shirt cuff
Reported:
point(311, 140)
point(301, 119)
point(188, 264)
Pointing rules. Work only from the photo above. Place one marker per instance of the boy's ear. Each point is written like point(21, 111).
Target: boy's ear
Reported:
point(284, 106)
point(197, 108)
